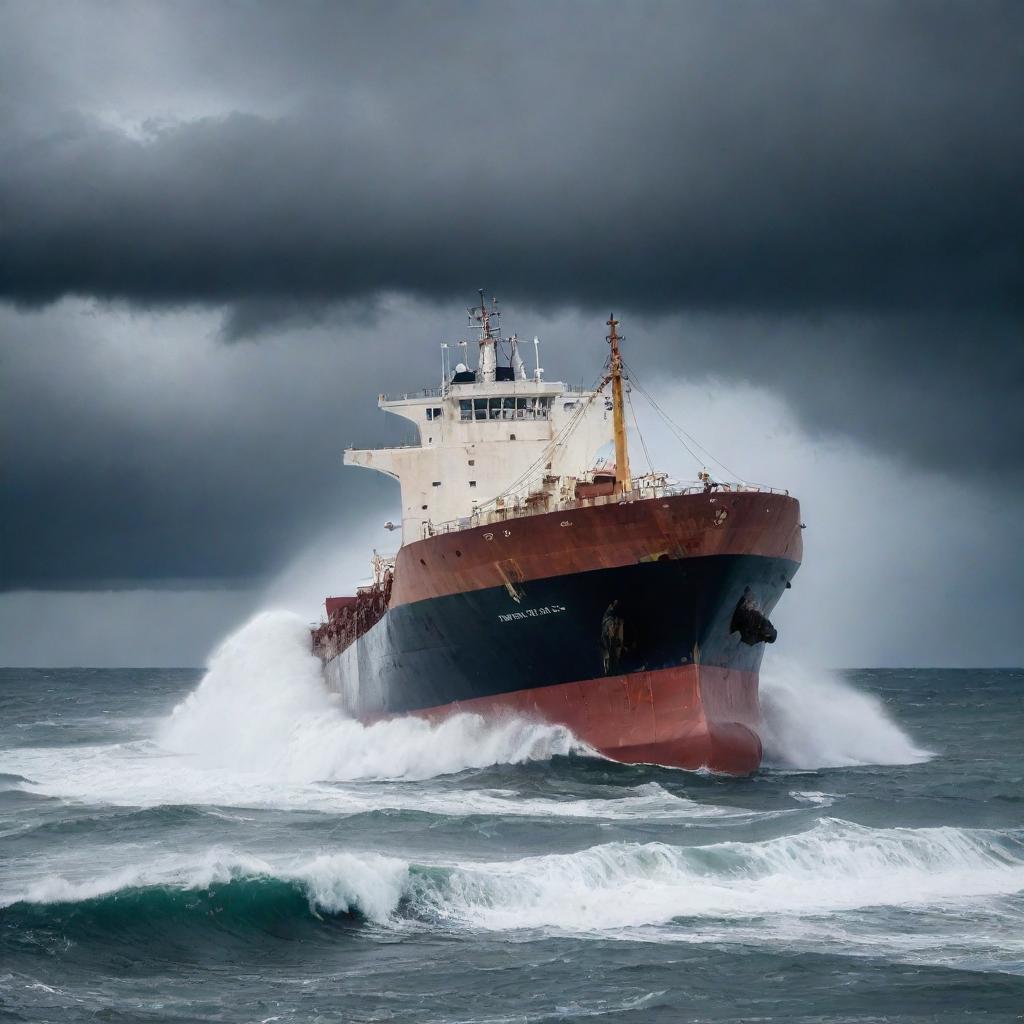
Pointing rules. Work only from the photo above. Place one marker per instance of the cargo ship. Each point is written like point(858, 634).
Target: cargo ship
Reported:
point(536, 579)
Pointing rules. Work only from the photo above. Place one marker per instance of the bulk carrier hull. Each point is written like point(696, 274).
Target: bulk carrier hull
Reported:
point(638, 624)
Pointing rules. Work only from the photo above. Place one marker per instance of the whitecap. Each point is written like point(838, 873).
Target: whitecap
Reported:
point(814, 719)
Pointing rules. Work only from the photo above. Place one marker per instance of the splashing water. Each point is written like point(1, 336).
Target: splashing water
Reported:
point(131, 842)
point(834, 866)
point(813, 719)
point(262, 707)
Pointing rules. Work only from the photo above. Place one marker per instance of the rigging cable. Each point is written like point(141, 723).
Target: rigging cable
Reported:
point(680, 432)
point(643, 442)
point(549, 448)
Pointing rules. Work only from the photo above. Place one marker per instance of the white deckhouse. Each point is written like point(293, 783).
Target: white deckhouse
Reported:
point(491, 440)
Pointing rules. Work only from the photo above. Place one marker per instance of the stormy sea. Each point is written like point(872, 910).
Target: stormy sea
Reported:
point(224, 845)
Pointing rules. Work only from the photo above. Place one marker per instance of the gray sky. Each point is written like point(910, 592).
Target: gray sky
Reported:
point(224, 228)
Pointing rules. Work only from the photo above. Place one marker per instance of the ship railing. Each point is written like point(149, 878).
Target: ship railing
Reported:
point(421, 393)
point(442, 392)
point(383, 448)
point(523, 510)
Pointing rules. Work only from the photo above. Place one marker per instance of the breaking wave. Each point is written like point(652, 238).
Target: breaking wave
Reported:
point(339, 883)
point(261, 730)
point(813, 719)
point(833, 867)
point(11, 781)
point(262, 707)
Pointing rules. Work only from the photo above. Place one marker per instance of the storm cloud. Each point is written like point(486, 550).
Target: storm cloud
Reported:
point(746, 157)
point(224, 228)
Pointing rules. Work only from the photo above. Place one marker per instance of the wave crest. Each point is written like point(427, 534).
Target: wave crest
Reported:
point(240, 885)
point(813, 719)
point(262, 707)
point(834, 866)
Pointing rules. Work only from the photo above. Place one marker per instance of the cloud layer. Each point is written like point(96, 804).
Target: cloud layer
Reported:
point(750, 157)
point(225, 228)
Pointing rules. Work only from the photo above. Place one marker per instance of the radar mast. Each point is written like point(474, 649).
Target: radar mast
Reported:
point(623, 482)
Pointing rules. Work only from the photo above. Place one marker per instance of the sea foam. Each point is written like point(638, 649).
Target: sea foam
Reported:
point(811, 718)
point(835, 866)
point(263, 707)
point(261, 730)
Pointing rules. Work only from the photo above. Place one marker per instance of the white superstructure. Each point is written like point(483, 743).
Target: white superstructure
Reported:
point(489, 438)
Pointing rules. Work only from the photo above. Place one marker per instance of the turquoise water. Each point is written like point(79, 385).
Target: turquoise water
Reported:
point(256, 857)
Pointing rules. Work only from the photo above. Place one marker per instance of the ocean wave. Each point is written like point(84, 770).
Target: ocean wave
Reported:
point(813, 798)
point(224, 883)
point(261, 730)
point(139, 775)
point(263, 707)
point(648, 801)
point(813, 719)
point(12, 781)
point(833, 867)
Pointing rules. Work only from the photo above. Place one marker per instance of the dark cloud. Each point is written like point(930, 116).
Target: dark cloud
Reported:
point(940, 390)
point(142, 449)
point(820, 199)
point(762, 157)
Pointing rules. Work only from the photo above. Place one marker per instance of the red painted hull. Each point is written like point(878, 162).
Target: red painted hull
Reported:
point(620, 621)
point(690, 716)
point(599, 537)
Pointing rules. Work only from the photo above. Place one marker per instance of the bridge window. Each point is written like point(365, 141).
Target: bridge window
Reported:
point(433, 414)
point(506, 407)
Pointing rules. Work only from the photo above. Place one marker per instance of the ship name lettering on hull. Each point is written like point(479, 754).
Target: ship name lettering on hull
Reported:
point(531, 613)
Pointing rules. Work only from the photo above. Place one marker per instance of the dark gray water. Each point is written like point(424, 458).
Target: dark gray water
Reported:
point(256, 857)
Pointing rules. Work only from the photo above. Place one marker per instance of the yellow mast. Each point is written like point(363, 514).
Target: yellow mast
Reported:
point(623, 483)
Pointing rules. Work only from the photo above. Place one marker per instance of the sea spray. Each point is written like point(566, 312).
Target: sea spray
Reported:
point(811, 718)
point(263, 708)
point(137, 878)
